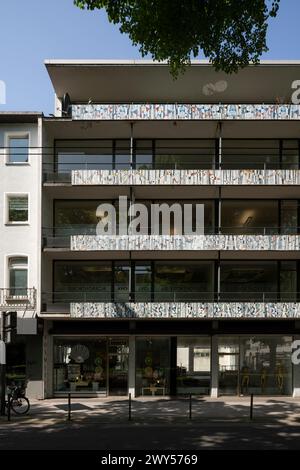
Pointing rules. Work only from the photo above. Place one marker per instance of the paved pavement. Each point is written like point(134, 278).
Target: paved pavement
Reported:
point(157, 423)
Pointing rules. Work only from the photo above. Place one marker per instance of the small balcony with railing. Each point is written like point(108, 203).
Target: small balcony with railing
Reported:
point(16, 299)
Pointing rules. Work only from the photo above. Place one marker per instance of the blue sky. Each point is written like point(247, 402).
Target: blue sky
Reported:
point(34, 30)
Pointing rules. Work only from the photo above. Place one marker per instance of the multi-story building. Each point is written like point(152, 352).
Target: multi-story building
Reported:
point(162, 314)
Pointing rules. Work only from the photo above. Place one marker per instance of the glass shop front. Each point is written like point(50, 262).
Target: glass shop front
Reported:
point(164, 365)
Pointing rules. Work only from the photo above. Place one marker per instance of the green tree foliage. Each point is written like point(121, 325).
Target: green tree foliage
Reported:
point(230, 33)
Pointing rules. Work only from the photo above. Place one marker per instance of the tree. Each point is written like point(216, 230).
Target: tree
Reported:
point(230, 33)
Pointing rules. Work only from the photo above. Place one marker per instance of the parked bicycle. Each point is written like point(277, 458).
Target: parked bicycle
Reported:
point(17, 400)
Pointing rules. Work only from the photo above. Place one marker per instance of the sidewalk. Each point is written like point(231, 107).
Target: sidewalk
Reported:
point(145, 410)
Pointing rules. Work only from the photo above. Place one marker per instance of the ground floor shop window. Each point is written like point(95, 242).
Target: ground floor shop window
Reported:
point(193, 365)
point(255, 364)
point(152, 366)
point(91, 365)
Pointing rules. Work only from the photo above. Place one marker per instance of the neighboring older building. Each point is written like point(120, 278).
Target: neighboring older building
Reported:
point(155, 314)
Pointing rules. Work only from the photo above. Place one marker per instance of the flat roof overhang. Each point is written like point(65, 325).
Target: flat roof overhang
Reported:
point(16, 117)
point(146, 81)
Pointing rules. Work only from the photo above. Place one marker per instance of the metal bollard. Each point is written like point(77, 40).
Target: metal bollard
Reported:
point(251, 406)
point(190, 407)
point(8, 406)
point(69, 406)
point(129, 407)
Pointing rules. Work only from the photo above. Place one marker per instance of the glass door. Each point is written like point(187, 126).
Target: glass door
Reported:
point(229, 359)
point(118, 352)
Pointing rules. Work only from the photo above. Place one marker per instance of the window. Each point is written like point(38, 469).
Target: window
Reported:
point(17, 208)
point(18, 149)
point(18, 274)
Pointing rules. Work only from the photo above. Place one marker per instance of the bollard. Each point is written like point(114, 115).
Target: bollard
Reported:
point(8, 406)
point(69, 406)
point(190, 407)
point(129, 407)
point(251, 406)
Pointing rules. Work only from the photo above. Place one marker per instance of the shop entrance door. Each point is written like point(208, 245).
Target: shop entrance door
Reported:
point(229, 373)
point(118, 353)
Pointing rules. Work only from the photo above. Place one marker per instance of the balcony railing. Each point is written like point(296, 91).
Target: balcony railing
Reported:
point(147, 111)
point(84, 238)
point(185, 243)
point(173, 304)
point(182, 166)
point(192, 177)
point(17, 298)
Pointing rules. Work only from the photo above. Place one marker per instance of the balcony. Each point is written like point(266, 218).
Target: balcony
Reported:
point(181, 305)
point(173, 162)
point(84, 238)
point(194, 177)
point(147, 111)
point(185, 243)
point(17, 299)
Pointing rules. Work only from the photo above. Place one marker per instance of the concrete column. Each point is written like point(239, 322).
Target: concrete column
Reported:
point(48, 360)
point(131, 366)
point(296, 375)
point(214, 367)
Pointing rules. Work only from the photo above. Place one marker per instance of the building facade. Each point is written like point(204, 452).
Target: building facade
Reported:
point(153, 314)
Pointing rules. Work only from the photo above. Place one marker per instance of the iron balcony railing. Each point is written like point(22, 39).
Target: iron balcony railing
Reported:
point(60, 237)
point(52, 300)
point(18, 298)
point(62, 173)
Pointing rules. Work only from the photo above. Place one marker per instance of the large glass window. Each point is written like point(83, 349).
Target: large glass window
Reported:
point(76, 217)
point(247, 217)
point(152, 366)
point(18, 149)
point(193, 365)
point(288, 281)
point(290, 154)
point(83, 281)
point(208, 215)
point(143, 281)
point(184, 154)
point(289, 216)
point(265, 365)
point(80, 365)
point(122, 280)
point(144, 154)
point(84, 154)
point(247, 281)
point(18, 276)
point(250, 153)
point(122, 155)
point(180, 281)
point(255, 364)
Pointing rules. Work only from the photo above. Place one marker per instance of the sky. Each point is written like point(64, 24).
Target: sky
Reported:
point(34, 30)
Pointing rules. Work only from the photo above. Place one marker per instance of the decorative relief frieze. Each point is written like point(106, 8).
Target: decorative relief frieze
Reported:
point(184, 242)
point(185, 310)
point(185, 177)
point(147, 111)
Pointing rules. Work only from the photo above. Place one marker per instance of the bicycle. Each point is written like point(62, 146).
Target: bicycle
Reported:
point(17, 401)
